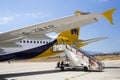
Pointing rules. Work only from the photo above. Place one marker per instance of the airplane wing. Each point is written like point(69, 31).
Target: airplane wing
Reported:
point(38, 31)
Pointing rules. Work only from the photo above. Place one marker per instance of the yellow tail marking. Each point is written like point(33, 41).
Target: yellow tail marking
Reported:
point(78, 12)
point(108, 15)
point(69, 36)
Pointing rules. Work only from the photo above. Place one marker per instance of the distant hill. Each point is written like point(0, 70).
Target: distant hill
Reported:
point(93, 52)
point(115, 52)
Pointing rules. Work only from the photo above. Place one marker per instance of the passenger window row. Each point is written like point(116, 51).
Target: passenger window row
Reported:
point(41, 42)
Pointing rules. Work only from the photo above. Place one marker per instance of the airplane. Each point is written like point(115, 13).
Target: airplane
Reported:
point(33, 43)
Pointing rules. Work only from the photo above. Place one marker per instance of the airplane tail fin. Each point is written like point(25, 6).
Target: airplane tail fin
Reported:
point(108, 15)
point(69, 36)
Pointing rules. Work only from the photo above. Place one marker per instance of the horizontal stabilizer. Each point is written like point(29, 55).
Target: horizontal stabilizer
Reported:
point(92, 40)
point(108, 15)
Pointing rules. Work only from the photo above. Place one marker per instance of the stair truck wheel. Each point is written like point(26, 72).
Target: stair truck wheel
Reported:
point(74, 69)
point(62, 68)
point(85, 69)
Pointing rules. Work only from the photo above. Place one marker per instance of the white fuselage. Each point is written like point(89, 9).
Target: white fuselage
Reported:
point(26, 45)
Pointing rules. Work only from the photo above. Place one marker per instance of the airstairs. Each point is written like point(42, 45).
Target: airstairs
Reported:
point(77, 59)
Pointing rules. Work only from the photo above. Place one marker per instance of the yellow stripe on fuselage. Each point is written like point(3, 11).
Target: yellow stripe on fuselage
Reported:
point(49, 52)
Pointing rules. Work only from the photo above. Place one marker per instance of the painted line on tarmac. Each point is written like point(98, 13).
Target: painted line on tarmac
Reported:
point(77, 76)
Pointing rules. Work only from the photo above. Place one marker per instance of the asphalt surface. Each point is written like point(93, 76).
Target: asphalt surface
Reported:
point(47, 71)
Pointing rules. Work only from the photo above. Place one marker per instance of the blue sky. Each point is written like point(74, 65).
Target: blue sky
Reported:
point(16, 14)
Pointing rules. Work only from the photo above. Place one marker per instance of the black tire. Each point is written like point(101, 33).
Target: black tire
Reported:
point(74, 69)
point(85, 69)
point(62, 68)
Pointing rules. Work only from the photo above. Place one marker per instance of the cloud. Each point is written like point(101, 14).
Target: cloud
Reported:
point(7, 19)
point(34, 15)
point(118, 40)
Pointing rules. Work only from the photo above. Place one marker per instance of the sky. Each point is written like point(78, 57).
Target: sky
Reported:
point(15, 14)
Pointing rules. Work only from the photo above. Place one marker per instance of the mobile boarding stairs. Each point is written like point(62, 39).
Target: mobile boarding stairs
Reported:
point(77, 59)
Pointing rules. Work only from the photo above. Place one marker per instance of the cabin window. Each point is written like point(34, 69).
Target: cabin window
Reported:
point(24, 41)
point(37, 41)
point(30, 41)
point(41, 42)
point(34, 41)
point(27, 41)
point(47, 42)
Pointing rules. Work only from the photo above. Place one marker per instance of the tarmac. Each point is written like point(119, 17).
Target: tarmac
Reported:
point(47, 71)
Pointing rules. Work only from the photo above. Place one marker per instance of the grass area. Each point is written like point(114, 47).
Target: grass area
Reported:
point(99, 57)
point(107, 56)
